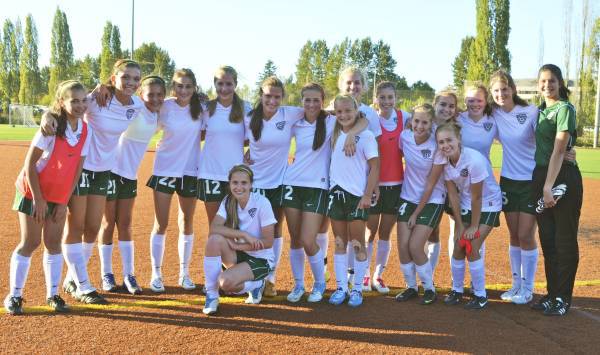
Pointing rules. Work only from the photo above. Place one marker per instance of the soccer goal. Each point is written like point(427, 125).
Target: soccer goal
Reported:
point(22, 115)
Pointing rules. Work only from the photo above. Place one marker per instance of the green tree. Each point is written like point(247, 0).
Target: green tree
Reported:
point(88, 71)
point(154, 60)
point(481, 62)
point(9, 65)
point(501, 28)
point(61, 51)
point(589, 77)
point(461, 63)
point(115, 43)
point(338, 58)
point(270, 69)
point(111, 50)
point(30, 87)
point(304, 73)
point(320, 55)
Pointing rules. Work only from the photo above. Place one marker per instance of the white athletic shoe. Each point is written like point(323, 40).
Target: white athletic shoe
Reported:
point(156, 285)
point(508, 295)
point(296, 294)
point(211, 306)
point(186, 283)
point(524, 296)
point(380, 286)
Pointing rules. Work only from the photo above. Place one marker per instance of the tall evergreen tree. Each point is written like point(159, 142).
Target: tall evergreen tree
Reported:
point(501, 29)
point(9, 64)
point(461, 63)
point(154, 60)
point(338, 58)
point(269, 70)
point(115, 43)
point(29, 89)
point(88, 71)
point(111, 50)
point(320, 54)
point(61, 51)
point(481, 62)
point(304, 73)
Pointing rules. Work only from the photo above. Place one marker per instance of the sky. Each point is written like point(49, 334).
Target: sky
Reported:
point(424, 35)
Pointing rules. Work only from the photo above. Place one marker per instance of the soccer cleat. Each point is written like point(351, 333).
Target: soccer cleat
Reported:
point(453, 298)
point(296, 294)
point(13, 305)
point(338, 297)
point(255, 296)
point(108, 283)
point(366, 285)
point(157, 286)
point(131, 285)
point(186, 283)
point(542, 304)
point(356, 298)
point(477, 302)
point(429, 297)
point(380, 286)
point(210, 306)
point(316, 295)
point(70, 287)
point(524, 296)
point(508, 295)
point(407, 294)
point(91, 298)
point(557, 308)
point(270, 290)
point(57, 304)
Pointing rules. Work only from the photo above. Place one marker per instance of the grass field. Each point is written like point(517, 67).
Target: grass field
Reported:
point(588, 158)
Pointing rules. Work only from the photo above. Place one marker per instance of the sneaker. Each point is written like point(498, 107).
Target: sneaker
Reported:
point(366, 285)
point(508, 295)
point(57, 304)
point(380, 286)
point(524, 296)
point(210, 306)
point(91, 298)
point(542, 304)
point(296, 294)
point(70, 287)
point(108, 283)
point(13, 305)
point(255, 296)
point(453, 298)
point(156, 285)
point(477, 302)
point(356, 298)
point(270, 290)
point(316, 295)
point(186, 283)
point(131, 285)
point(338, 297)
point(407, 294)
point(429, 297)
point(557, 308)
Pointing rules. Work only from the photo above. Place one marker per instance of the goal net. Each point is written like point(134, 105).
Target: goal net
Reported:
point(21, 115)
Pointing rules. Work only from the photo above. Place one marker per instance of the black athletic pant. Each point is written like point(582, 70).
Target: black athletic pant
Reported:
point(558, 230)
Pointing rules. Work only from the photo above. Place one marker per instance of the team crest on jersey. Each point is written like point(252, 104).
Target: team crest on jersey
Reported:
point(521, 118)
point(551, 115)
point(280, 125)
point(129, 113)
point(488, 126)
point(356, 139)
point(426, 153)
point(252, 212)
point(464, 172)
point(78, 136)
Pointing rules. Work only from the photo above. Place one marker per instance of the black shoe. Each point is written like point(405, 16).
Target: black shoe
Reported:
point(542, 304)
point(477, 303)
point(58, 304)
point(91, 298)
point(13, 305)
point(407, 294)
point(453, 298)
point(557, 308)
point(70, 287)
point(429, 297)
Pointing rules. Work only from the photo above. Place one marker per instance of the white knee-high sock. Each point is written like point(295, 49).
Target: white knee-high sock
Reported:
point(360, 269)
point(52, 272)
point(381, 258)
point(529, 259)
point(75, 260)
point(514, 254)
point(410, 275)
point(126, 248)
point(340, 266)
point(323, 243)
point(424, 272)
point(19, 269)
point(157, 251)
point(185, 245)
point(105, 251)
point(433, 253)
point(212, 270)
point(277, 248)
point(369, 258)
point(297, 263)
point(477, 270)
point(88, 250)
point(458, 274)
point(317, 266)
point(350, 254)
point(451, 225)
point(482, 252)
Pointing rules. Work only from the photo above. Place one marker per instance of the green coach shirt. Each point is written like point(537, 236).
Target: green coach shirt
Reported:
point(559, 117)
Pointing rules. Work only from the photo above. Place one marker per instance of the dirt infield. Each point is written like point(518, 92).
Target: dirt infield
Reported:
point(173, 322)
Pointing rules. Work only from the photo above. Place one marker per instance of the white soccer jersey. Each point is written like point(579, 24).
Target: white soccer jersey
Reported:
point(179, 146)
point(390, 124)
point(419, 161)
point(478, 135)
point(350, 173)
point(134, 143)
point(373, 119)
point(47, 143)
point(108, 124)
point(471, 168)
point(516, 132)
point(256, 215)
point(270, 152)
point(310, 168)
point(223, 144)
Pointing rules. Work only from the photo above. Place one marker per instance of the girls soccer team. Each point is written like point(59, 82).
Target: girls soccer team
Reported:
point(347, 169)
